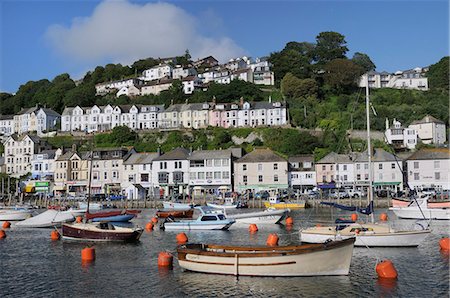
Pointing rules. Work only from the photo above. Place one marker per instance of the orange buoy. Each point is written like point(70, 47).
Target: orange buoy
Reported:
point(272, 240)
point(182, 238)
point(354, 217)
point(154, 220)
point(2, 234)
point(386, 269)
point(78, 219)
point(165, 259)
point(88, 254)
point(357, 231)
point(149, 226)
point(444, 244)
point(253, 228)
point(289, 221)
point(383, 217)
point(54, 235)
point(6, 225)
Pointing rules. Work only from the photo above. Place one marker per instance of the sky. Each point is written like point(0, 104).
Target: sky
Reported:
point(42, 39)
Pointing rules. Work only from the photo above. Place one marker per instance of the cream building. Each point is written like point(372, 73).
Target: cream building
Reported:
point(137, 180)
point(429, 168)
point(430, 130)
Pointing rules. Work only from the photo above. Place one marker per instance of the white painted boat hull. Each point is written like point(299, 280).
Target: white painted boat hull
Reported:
point(14, 215)
point(415, 213)
point(176, 206)
point(49, 218)
point(217, 206)
point(334, 261)
point(263, 217)
point(172, 226)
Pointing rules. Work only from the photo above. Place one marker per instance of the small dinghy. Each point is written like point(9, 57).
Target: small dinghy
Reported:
point(49, 218)
point(268, 216)
point(15, 213)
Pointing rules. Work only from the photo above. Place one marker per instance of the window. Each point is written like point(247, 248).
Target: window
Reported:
point(275, 178)
point(416, 176)
point(275, 166)
point(144, 177)
point(392, 165)
point(105, 175)
point(209, 162)
point(416, 165)
point(345, 167)
point(323, 168)
point(331, 167)
point(324, 178)
point(366, 166)
point(358, 166)
point(345, 178)
point(225, 162)
point(217, 162)
point(309, 176)
point(380, 166)
point(259, 167)
point(366, 177)
point(244, 167)
point(260, 178)
point(337, 167)
point(225, 175)
point(163, 177)
point(437, 175)
point(177, 176)
point(209, 175)
point(436, 164)
point(115, 174)
point(130, 178)
point(201, 175)
point(380, 176)
point(192, 175)
point(178, 165)
point(244, 179)
point(217, 175)
point(163, 165)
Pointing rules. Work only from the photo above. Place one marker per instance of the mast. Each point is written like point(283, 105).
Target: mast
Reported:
point(369, 149)
point(89, 181)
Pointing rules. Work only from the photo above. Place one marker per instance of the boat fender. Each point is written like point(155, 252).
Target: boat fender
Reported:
point(386, 269)
point(165, 259)
point(6, 225)
point(444, 244)
point(2, 234)
point(182, 238)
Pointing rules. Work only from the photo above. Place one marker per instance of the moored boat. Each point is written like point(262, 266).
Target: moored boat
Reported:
point(418, 209)
point(209, 219)
point(175, 213)
point(15, 213)
point(177, 206)
point(114, 216)
point(49, 218)
point(102, 231)
point(277, 204)
point(331, 258)
point(268, 216)
point(430, 204)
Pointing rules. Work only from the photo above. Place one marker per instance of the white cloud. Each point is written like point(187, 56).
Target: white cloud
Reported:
point(123, 32)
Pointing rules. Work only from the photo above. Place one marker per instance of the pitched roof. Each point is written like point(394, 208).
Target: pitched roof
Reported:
point(378, 155)
point(333, 157)
point(28, 110)
point(261, 155)
point(209, 154)
point(66, 156)
point(427, 154)
point(140, 158)
point(176, 154)
point(50, 112)
point(427, 119)
point(6, 117)
point(301, 158)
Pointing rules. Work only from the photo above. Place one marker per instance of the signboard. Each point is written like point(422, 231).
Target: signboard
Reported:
point(42, 184)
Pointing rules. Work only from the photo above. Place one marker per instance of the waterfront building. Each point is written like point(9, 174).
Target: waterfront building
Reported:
point(43, 164)
point(430, 130)
point(302, 173)
point(429, 168)
point(335, 171)
point(400, 137)
point(137, 180)
point(262, 169)
point(170, 172)
point(19, 151)
point(72, 174)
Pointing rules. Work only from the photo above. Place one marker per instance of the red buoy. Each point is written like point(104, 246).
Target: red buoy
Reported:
point(444, 244)
point(2, 234)
point(253, 228)
point(54, 235)
point(154, 220)
point(182, 238)
point(149, 226)
point(354, 217)
point(165, 259)
point(6, 225)
point(88, 254)
point(383, 217)
point(78, 219)
point(289, 221)
point(386, 269)
point(272, 240)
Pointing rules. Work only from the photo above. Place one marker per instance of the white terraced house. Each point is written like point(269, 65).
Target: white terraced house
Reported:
point(429, 168)
point(408, 79)
point(105, 118)
point(114, 86)
point(302, 173)
point(399, 136)
point(430, 130)
point(157, 72)
point(35, 119)
point(137, 182)
point(7, 126)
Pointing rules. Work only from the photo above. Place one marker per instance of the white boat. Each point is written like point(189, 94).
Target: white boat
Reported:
point(209, 219)
point(268, 216)
point(332, 258)
point(49, 218)
point(176, 206)
point(419, 210)
point(92, 206)
point(15, 213)
point(366, 234)
point(228, 204)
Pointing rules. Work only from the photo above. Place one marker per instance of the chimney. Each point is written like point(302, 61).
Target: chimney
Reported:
point(241, 101)
point(171, 102)
point(158, 151)
point(74, 147)
point(214, 99)
point(270, 98)
point(387, 123)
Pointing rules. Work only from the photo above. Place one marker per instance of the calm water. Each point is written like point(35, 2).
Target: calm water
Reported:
point(34, 266)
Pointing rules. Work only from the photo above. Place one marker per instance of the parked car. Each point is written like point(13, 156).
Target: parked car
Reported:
point(355, 193)
point(384, 193)
point(339, 193)
point(314, 194)
point(262, 195)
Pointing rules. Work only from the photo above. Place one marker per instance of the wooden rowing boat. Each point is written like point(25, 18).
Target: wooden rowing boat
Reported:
point(330, 258)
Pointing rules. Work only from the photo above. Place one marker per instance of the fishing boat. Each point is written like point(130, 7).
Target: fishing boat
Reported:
point(209, 219)
point(331, 258)
point(418, 209)
point(268, 216)
point(46, 219)
point(114, 216)
point(274, 202)
point(15, 213)
point(177, 206)
point(228, 204)
point(430, 204)
point(367, 234)
point(102, 231)
point(163, 213)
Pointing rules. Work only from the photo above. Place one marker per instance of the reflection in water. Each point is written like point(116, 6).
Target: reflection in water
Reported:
point(387, 286)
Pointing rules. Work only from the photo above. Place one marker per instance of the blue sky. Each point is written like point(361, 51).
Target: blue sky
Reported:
point(41, 39)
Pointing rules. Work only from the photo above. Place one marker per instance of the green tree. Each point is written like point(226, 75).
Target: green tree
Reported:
point(293, 87)
point(143, 64)
point(342, 74)
point(329, 46)
point(364, 61)
point(121, 135)
point(438, 74)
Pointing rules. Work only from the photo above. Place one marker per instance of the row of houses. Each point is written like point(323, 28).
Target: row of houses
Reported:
point(196, 75)
point(188, 115)
point(200, 172)
point(38, 119)
point(408, 79)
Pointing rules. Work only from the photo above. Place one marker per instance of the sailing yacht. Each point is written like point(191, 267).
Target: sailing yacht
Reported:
point(366, 234)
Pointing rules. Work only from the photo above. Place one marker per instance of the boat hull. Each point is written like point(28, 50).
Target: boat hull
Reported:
point(264, 217)
point(49, 218)
point(285, 205)
point(416, 213)
point(217, 206)
point(14, 215)
point(177, 206)
point(430, 204)
point(169, 226)
point(330, 259)
point(175, 213)
point(114, 218)
point(80, 232)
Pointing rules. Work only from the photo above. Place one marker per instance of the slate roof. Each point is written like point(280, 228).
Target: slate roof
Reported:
point(6, 117)
point(427, 119)
point(261, 155)
point(175, 154)
point(429, 154)
point(209, 154)
point(379, 155)
point(140, 158)
point(333, 157)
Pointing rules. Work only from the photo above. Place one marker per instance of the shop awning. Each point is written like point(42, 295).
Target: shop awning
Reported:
point(224, 187)
point(59, 187)
point(386, 183)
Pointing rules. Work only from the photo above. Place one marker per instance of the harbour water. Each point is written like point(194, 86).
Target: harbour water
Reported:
point(34, 266)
